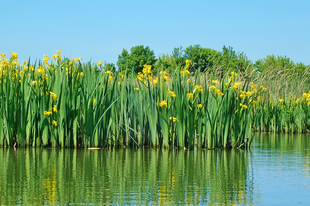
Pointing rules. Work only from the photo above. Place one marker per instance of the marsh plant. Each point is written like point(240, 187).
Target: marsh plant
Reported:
point(63, 102)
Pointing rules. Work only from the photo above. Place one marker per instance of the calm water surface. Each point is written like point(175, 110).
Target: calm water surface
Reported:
point(276, 171)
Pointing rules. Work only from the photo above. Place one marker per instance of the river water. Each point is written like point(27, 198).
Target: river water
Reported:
point(276, 171)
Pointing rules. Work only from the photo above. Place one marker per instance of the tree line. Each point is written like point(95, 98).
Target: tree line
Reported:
point(203, 60)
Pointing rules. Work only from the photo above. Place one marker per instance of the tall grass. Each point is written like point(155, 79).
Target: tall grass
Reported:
point(66, 103)
point(285, 106)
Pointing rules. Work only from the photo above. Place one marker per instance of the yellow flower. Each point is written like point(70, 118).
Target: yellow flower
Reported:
point(163, 73)
point(215, 82)
point(167, 78)
point(163, 103)
point(174, 119)
point(155, 81)
point(190, 95)
point(108, 72)
point(54, 123)
point(14, 55)
point(189, 80)
point(199, 88)
point(259, 98)
point(147, 69)
point(188, 62)
point(253, 85)
point(47, 113)
point(234, 74)
point(54, 108)
point(40, 70)
point(171, 93)
point(212, 87)
point(99, 63)
point(137, 89)
point(184, 72)
point(119, 83)
point(122, 75)
point(53, 95)
point(199, 105)
point(217, 91)
point(231, 79)
point(58, 56)
point(150, 78)
point(243, 106)
point(94, 101)
point(281, 100)
point(34, 82)
point(248, 94)
point(110, 78)
point(45, 60)
point(241, 93)
point(264, 89)
point(236, 85)
point(80, 74)
point(254, 102)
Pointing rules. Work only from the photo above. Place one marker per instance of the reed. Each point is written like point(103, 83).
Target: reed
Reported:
point(62, 102)
point(285, 106)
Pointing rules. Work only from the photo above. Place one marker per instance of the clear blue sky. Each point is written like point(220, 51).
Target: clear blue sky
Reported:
point(99, 30)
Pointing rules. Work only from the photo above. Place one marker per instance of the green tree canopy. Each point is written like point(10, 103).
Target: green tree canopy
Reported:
point(272, 62)
point(276, 65)
point(165, 62)
point(134, 61)
point(230, 59)
point(202, 58)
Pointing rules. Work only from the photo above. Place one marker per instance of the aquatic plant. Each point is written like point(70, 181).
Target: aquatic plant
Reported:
point(63, 102)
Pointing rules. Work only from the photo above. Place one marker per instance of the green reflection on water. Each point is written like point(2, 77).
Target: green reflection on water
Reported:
point(125, 176)
point(285, 147)
point(286, 143)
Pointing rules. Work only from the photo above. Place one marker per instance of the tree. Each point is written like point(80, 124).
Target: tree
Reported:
point(232, 60)
point(284, 66)
point(272, 62)
point(202, 58)
point(171, 62)
point(166, 63)
point(133, 62)
point(178, 56)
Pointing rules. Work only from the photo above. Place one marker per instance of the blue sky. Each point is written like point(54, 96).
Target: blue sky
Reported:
point(99, 30)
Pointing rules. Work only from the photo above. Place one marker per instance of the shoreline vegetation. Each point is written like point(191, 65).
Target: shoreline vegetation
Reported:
point(63, 102)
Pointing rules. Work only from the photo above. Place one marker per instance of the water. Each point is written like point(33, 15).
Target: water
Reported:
point(275, 171)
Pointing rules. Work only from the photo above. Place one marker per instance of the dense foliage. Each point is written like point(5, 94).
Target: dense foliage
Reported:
point(206, 60)
point(134, 61)
point(62, 102)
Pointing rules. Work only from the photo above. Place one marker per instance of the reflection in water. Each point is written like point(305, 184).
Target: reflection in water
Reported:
point(287, 143)
point(289, 149)
point(125, 176)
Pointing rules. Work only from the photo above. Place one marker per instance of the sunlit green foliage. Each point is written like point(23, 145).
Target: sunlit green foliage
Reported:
point(134, 61)
point(65, 103)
